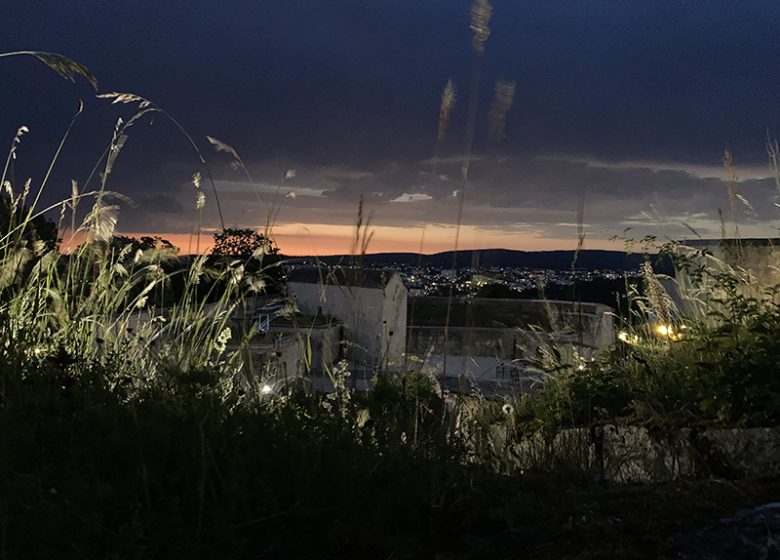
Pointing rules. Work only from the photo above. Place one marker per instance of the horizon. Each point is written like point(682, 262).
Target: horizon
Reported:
point(294, 246)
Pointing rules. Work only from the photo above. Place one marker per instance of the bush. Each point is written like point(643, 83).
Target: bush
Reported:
point(713, 363)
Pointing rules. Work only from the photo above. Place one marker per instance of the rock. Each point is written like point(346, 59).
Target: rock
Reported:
point(622, 454)
point(739, 453)
point(633, 454)
point(751, 534)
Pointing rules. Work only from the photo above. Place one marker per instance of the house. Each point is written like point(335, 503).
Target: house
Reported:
point(370, 304)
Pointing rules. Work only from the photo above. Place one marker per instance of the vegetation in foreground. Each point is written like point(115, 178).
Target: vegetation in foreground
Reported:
point(696, 351)
point(177, 471)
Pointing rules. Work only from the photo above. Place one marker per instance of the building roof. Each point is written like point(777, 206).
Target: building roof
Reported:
point(341, 276)
point(495, 313)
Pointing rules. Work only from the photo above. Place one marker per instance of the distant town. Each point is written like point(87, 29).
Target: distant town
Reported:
point(502, 273)
point(431, 280)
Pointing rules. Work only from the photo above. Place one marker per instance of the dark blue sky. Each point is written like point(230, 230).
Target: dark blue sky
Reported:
point(355, 85)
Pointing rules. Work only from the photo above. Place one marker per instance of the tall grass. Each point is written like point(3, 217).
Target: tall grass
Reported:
point(136, 428)
point(481, 13)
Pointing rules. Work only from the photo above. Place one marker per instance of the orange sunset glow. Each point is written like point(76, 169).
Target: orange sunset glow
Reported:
point(327, 239)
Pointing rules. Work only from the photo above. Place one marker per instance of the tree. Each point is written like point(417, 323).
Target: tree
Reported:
point(39, 229)
point(496, 290)
point(258, 253)
point(119, 242)
point(241, 243)
point(26, 245)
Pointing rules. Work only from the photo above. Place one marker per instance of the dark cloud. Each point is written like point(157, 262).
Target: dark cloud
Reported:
point(518, 193)
point(347, 93)
point(159, 203)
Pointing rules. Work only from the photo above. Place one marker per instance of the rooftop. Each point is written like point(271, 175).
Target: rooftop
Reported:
point(341, 276)
point(495, 313)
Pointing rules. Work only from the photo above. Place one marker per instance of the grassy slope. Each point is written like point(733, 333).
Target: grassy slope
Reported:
point(175, 473)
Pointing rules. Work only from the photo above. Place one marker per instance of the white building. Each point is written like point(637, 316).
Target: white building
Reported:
point(371, 306)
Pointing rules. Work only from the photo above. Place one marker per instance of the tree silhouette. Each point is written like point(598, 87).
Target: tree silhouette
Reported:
point(38, 229)
point(242, 243)
point(259, 254)
point(119, 242)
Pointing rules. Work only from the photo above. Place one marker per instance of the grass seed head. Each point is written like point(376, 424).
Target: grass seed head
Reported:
point(448, 99)
point(504, 95)
point(66, 67)
point(481, 12)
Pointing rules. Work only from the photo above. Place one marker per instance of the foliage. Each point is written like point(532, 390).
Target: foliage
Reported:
point(242, 243)
point(409, 407)
point(38, 230)
point(708, 356)
point(257, 253)
point(144, 243)
point(176, 471)
point(91, 469)
point(494, 290)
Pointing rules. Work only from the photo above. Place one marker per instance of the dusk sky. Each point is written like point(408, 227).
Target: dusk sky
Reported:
point(623, 106)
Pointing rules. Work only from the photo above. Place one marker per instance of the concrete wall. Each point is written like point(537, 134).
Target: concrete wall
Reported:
point(762, 262)
point(273, 356)
point(586, 329)
point(359, 309)
point(284, 350)
point(374, 319)
point(474, 341)
point(394, 324)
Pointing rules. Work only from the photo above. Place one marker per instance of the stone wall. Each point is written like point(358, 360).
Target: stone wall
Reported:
point(636, 454)
point(621, 454)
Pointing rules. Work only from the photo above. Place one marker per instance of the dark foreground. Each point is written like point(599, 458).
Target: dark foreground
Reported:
point(94, 470)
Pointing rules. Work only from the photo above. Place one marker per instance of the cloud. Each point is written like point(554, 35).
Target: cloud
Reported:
point(161, 203)
point(412, 197)
point(698, 170)
point(525, 194)
point(268, 188)
point(629, 122)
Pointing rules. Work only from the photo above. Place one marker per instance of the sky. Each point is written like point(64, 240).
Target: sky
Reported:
point(621, 115)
